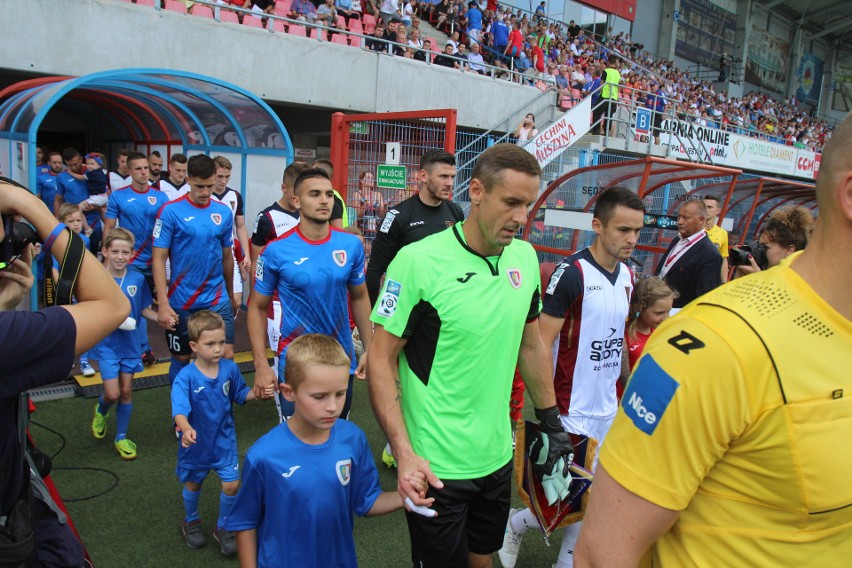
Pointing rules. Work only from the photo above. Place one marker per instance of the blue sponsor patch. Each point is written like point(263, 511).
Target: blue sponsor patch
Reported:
point(648, 394)
point(393, 287)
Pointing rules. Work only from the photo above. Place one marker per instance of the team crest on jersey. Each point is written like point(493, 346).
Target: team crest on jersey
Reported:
point(226, 387)
point(131, 291)
point(514, 277)
point(339, 257)
point(344, 471)
point(258, 271)
point(157, 227)
point(216, 218)
point(152, 200)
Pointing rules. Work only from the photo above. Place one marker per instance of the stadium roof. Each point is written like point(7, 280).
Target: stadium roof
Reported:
point(828, 19)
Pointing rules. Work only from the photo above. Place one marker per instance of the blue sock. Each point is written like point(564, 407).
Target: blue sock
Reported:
point(103, 407)
point(226, 503)
point(190, 504)
point(84, 359)
point(122, 416)
point(175, 368)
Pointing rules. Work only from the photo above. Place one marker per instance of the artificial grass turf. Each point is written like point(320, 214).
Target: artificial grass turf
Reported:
point(135, 523)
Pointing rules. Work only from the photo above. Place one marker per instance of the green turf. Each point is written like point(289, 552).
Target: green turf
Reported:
point(136, 523)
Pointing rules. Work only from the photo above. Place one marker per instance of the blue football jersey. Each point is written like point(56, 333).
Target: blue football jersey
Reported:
point(125, 344)
point(137, 212)
point(46, 188)
point(206, 403)
point(75, 191)
point(302, 498)
point(312, 279)
point(195, 237)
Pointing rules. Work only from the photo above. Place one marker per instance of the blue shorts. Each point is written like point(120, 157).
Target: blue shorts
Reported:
point(110, 368)
point(178, 340)
point(227, 473)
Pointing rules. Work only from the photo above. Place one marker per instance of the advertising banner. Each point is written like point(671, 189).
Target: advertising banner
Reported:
point(704, 31)
point(841, 88)
point(809, 79)
point(552, 141)
point(766, 57)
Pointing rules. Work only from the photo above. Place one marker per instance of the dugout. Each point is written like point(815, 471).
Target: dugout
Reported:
point(150, 109)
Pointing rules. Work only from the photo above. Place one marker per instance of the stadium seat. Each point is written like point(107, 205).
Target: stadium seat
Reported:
point(175, 6)
point(369, 23)
point(339, 38)
point(355, 26)
point(279, 26)
point(149, 3)
point(228, 17)
point(252, 22)
point(315, 33)
point(297, 30)
point(576, 94)
point(202, 11)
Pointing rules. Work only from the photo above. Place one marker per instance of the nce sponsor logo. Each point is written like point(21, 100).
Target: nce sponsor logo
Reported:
point(603, 350)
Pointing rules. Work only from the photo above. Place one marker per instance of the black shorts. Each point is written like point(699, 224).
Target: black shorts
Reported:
point(658, 123)
point(472, 515)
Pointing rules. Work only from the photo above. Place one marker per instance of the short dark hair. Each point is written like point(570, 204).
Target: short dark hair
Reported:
point(178, 159)
point(612, 198)
point(495, 160)
point(292, 171)
point(712, 198)
point(439, 156)
point(133, 156)
point(201, 167)
point(324, 164)
point(70, 153)
point(309, 173)
point(155, 153)
point(124, 152)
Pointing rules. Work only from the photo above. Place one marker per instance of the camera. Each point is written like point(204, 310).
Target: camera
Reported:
point(18, 236)
point(738, 256)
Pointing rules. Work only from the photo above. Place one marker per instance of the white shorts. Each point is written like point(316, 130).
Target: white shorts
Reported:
point(592, 426)
point(273, 332)
point(238, 278)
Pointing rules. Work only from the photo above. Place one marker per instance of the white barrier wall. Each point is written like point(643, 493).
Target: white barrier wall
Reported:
point(37, 38)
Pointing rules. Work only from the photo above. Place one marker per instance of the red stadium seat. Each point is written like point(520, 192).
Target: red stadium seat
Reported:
point(315, 33)
point(202, 11)
point(355, 26)
point(175, 6)
point(370, 21)
point(252, 22)
point(150, 3)
point(279, 26)
point(282, 7)
point(228, 17)
point(297, 30)
point(339, 38)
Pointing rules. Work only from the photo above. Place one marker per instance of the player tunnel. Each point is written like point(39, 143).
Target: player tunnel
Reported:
point(149, 109)
point(560, 221)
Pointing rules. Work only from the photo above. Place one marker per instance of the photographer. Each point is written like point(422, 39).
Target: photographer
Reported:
point(38, 348)
point(786, 231)
point(526, 130)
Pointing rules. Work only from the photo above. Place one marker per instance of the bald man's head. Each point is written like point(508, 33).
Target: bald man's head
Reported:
point(836, 163)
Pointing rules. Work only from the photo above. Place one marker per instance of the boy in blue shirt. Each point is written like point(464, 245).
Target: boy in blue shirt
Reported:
point(304, 480)
point(201, 406)
point(118, 354)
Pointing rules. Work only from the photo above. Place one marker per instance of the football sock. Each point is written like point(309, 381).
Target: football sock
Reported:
point(103, 407)
point(569, 541)
point(226, 503)
point(524, 520)
point(122, 418)
point(190, 504)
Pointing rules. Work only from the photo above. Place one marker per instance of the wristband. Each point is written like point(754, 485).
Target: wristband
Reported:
point(51, 238)
point(549, 419)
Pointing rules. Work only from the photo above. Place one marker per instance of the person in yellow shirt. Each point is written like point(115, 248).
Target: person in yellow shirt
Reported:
point(731, 446)
point(718, 235)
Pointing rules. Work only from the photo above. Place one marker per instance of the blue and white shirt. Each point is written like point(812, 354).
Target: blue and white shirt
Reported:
point(137, 212)
point(206, 403)
point(302, 498)
point(195, 237)
point(121, 344)
point(312, 279)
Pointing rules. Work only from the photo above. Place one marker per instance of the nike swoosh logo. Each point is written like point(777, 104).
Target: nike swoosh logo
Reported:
point(291, 472)
point(198, 390)
point(187, 219)
point(467, 277)
point(301, 260)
